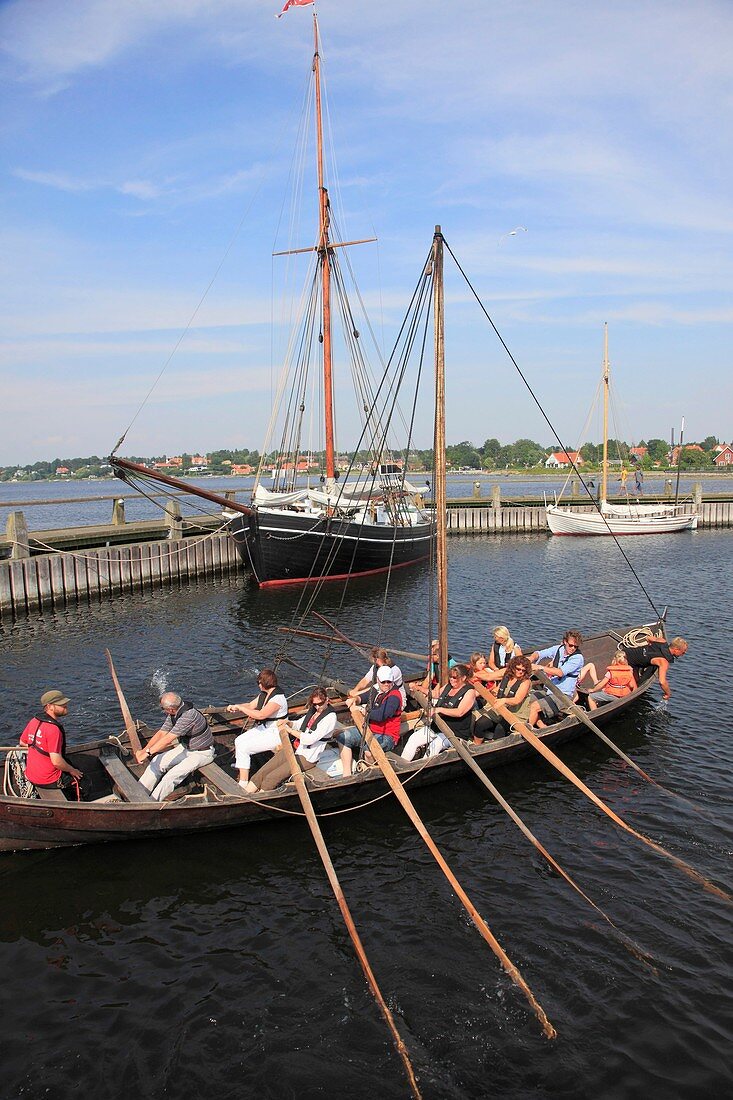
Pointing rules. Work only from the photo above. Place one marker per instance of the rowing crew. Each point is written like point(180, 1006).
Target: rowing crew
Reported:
point(185, 743)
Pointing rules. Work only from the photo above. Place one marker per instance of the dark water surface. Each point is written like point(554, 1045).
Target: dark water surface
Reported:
point(218, 966)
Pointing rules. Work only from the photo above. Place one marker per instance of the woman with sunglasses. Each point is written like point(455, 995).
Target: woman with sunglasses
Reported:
point(264, 710)
point(311, 732)
point(454, 703)
point(513, 691)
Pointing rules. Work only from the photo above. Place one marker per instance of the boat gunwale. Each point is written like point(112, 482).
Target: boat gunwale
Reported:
point(190, 815)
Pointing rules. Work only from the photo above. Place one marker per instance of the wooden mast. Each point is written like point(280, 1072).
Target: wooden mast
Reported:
point(439, 454)
point(604, 474)
point(325, 261)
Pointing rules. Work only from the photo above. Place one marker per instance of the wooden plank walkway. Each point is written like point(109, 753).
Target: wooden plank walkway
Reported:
point(57, 581)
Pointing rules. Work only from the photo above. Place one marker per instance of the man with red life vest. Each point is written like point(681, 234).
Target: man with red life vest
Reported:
point(384, 716)
point(44, 735)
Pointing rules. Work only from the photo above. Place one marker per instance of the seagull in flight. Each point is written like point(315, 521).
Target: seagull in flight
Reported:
point(511, 233)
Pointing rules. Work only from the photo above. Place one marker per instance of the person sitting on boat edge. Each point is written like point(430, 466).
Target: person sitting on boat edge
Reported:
point(514, 692)
point(565, 663)
point(183, 743)
point(454, 703)
point(312, 732)
point(384, 717)
point(367, 683)
point(657, 652)
point(618, 681)
point(432, 673)
point(503, 648)
point(45, 766)
point(264, 709)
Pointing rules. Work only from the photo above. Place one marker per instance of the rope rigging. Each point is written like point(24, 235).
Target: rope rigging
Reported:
point(552, 428)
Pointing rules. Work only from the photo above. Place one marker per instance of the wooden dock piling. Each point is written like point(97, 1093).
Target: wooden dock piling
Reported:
point(97, 563)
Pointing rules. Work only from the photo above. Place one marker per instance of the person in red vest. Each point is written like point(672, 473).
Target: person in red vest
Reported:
point(385, 720)
point(45, 766)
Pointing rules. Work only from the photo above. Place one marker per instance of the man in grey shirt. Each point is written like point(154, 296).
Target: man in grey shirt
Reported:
point(182, 744)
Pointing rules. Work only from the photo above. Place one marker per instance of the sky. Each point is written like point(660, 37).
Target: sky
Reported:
point(578, 158)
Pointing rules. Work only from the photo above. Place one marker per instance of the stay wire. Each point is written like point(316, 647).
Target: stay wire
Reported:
point(552, 428)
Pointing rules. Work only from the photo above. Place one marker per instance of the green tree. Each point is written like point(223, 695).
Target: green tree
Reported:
point(709, 442)
point(463, 454)
point(491, 449)
point(694, 460)
point(658, 450)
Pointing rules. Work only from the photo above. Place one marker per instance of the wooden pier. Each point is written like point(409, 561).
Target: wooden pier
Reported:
point(57, 569)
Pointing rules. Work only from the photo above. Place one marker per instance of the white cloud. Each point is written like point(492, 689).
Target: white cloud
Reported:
point(60, 181)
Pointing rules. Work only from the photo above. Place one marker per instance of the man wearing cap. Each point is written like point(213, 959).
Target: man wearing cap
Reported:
point(45, 766)
point(183, 743)
point(385, 719)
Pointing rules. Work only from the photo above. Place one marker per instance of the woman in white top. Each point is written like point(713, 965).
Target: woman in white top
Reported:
point(312, 733)
point(264, 709)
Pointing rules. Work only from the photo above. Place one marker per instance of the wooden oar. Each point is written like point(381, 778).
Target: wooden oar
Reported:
point(363, 647)
point(406, 803)
point(305, 801)
point(126, 715)
point(567, 705)
point(533, 740)
point(463, 751)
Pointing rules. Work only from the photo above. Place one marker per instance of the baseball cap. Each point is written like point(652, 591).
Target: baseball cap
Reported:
point(55, 698)
point(384, 674)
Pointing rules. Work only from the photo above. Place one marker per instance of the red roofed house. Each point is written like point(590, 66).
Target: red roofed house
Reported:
point(675, 452)
point(560, 460)
point(638, 452)
point(724, 457)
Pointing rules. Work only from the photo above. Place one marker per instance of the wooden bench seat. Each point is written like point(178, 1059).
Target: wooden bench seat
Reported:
point(123, 779)
point(219, 779)
point(51, 794)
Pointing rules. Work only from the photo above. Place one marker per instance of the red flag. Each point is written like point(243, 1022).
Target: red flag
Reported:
point(293, 4)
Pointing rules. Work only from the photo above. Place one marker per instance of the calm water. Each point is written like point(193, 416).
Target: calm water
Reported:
point(56, 515)
point(219, 965)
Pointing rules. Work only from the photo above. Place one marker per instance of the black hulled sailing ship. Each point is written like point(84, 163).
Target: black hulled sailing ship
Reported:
point(332, 518)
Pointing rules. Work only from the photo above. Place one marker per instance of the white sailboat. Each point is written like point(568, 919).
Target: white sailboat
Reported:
point(624, 518)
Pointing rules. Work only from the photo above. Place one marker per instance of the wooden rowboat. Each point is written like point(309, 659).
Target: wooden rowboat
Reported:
point(213, 799)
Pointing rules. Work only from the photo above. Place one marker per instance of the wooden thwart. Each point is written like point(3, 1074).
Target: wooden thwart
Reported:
point(123, 779)
point(219, 779)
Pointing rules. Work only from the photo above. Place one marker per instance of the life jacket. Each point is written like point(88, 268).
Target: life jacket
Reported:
point(496, 649)
point(391, 726)
point(461, 724)
point(262, 698)
point(557, 663)
point(40, 771)
point(622, 681)
point(506, 692)
point(309, 718)
point(199, 737)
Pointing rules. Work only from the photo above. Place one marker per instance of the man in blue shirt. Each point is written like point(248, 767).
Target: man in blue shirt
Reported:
point(564, 665)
